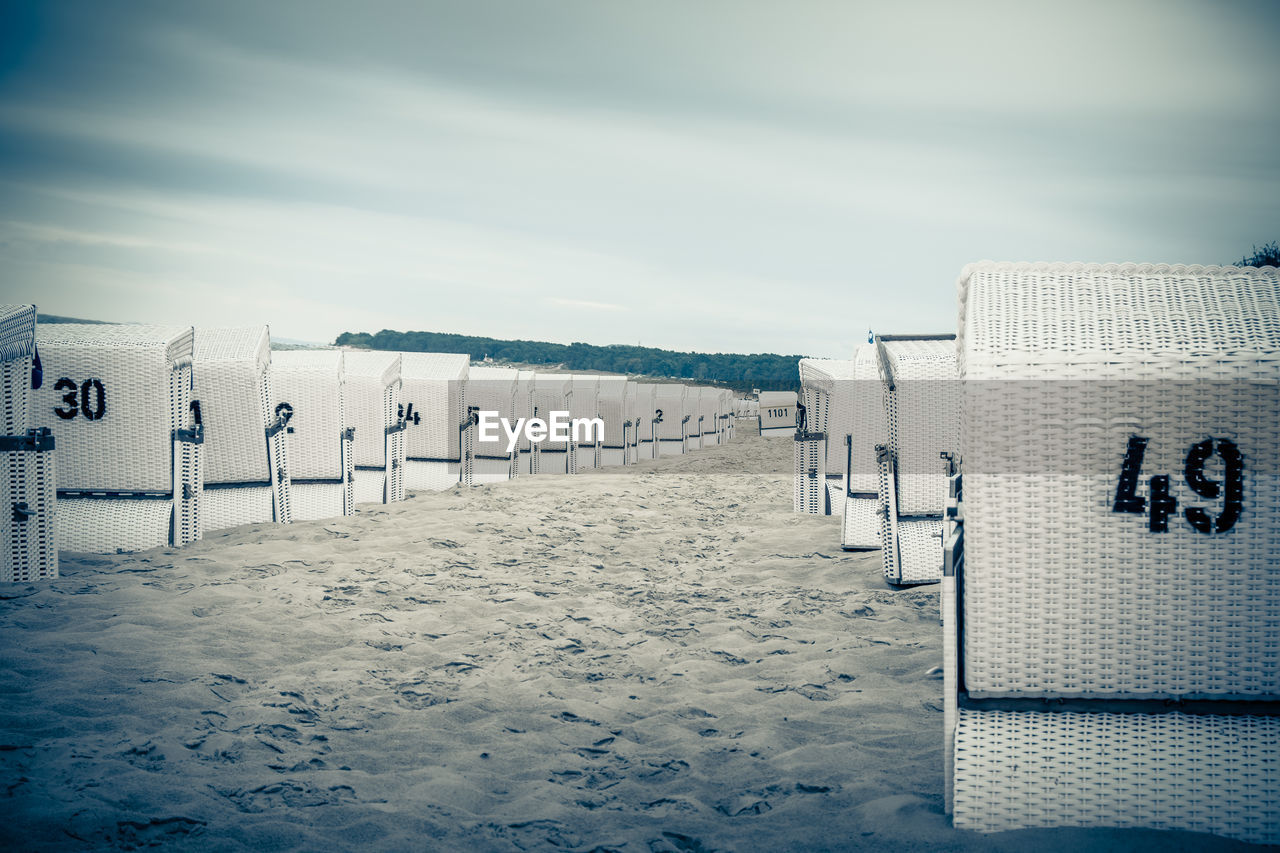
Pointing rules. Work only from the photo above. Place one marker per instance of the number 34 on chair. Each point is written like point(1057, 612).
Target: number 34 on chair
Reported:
point(1163, 504)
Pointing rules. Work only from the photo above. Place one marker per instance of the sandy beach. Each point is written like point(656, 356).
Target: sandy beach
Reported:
point(655, 658)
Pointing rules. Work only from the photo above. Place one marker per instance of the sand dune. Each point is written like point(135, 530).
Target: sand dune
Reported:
point(660, 658)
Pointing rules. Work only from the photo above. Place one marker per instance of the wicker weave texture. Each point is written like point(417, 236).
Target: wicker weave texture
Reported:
point(835, 495)
point(434, 384)
point(645, 406)
point(97, 526)
point(28, 540)
point(15, 408)
point(17, 345)
point(316, 501)
point(371, 395)
point(860, 529)
point(552, 392)
point(1064, 595)
point(144, 373)
point(923, 420)
point(524, 403)
point(490, 470)
point(230, 374)
point(670, 399)
point(311, 385)
point(611, 405)
point(809, 489)
point(850, 403)
point(631, 412)
point(919, 551)
point(188, 483)
point(395, 466)
point(584, 402)
point(709, 410)
point(693, 428)
point(552, 461)
point(232, 506)
point(17, 332)
point(1199, 773)
point(369, 485)
point(492, 389)
point(431, 476)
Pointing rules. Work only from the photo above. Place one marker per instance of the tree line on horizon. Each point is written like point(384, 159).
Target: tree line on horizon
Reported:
point(741, 372)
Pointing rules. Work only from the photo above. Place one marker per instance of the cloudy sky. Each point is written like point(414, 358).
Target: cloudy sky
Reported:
point(719, 176)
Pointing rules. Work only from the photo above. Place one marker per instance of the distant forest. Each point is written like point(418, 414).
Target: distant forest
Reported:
point(766, 371)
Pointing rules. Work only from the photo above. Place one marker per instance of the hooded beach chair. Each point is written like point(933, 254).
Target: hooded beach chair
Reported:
point(307, 392)
point(494, 389)
point(129, 434)
point(246, 472)
point(524, 409)
point(693, 418)
point(859, 427)
point(28, 492)
point(611, 403)
point(630, 422)
point(777, 414)
point(815, 461)
point(553, 392)
point(922, 410)
point(646, 421)
point(672, 419)
point(584, 406)
point(727, 415)
point(373, 406)
point(1111, 640)
point(693, 408)
point(710, 413)
point(439, 432)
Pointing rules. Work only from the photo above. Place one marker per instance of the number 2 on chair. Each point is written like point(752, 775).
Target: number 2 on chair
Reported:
point(1163, 504)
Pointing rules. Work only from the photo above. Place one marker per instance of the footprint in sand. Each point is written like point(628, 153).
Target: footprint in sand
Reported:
point(538, 834)
point(157, 832)
point(288, 794)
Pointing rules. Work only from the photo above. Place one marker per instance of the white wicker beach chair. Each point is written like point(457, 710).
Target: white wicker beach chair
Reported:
point(372, 397)
point(307, 391)
point(494, 389)
point(524, 409)
point(611, 403)
point(819, 441)
point(858, 404)
point(28, 492)
point(727, 415)
point(672, 419)
point(1111, 639)
point(246, 470)
point(585, 404)
point(553, 392)
point(710, 413)
point(646, 421)
point(922, 407)
point(630, 422)
point(439, 432)
point(694, 418)
point(777, 414)
point(129, 433)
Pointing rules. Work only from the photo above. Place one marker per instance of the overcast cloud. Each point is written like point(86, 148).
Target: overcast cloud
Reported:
point(716, 176)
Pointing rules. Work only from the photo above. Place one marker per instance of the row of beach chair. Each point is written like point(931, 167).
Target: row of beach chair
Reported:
point(163, 433)
point(1090, 466)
